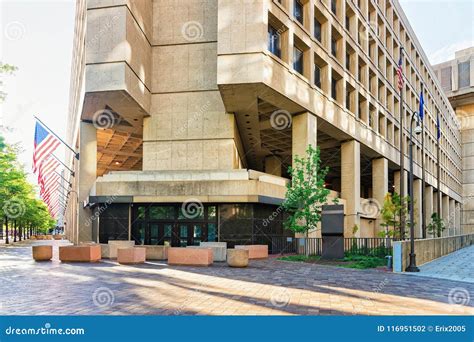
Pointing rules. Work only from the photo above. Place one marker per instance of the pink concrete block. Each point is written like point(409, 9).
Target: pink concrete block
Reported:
point(190, 256)
point(84, 253)
point(255, 251)
point(132, 255)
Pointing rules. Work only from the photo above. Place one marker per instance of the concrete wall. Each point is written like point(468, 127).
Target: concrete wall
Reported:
point(427, 250)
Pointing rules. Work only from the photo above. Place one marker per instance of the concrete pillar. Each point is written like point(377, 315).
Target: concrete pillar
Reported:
point(452, 213)
point(457, 218)
point(445, 213)
point(417, 204)
point(350, 184)
point(87, 176)
point(273, 166)
point(379, 186)
point(304, 133)
point(429, 205)
point(396, 175)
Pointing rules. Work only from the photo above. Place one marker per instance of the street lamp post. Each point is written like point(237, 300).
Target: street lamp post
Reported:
point(412, 266)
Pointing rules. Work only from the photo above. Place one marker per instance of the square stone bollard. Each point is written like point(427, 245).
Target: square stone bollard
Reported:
point(116, 244)
point(156, 252)
point(190, 256)
point(255, 251)
point(237, 257)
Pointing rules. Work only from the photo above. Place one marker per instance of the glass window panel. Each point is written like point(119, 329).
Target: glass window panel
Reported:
point(141, 213)
point(298, 60)
point(274, 42)
point(161, 212)
point(298, 11)
point(211, 213)
point(211, 232)
point(317, 29)
point(464, 74)
point(183, 231)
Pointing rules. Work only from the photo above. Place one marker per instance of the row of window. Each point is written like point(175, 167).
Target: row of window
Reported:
point(464, 76)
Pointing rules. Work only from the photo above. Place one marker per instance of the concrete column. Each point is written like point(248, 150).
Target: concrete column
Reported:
point(396, 175)
point(273, 166)
point(350, 184)
point(417, 206)
point(445, 213)
point(429, 205)
point(304, 133)
point(452, 213)
point(457, 218)
point(379, 185)
point(87, 176)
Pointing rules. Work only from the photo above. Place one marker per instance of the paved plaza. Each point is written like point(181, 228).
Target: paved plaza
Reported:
point(267, 287)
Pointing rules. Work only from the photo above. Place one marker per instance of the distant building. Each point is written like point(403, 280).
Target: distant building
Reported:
point(203, 104)
point(457, 80)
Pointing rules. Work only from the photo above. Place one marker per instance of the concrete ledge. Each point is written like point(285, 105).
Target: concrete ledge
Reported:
point(84, 253)
point(427, 250)
point(154, 252)
point(237, 257)
point(255, 251)
point(132, 255)
point(42, 253)
point(190, 256)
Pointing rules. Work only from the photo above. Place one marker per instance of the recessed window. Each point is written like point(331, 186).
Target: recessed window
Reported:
point(317, 29)
point(334, 7)
point(317, 76)
point(274, 41)
point(334, 88)
point(464, 74)
point(298, 60)
point(348, 23)
point(334, 47)
point(348, 61)
point(298, 11)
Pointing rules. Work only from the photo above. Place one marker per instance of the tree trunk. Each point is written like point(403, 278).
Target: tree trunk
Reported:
point(14, 231)
point(7, 241)
point(20, 230)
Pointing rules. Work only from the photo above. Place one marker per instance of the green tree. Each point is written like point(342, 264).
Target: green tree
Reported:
point(436, 226)
point(5, 69)
point(306, 192)
point(393, 207)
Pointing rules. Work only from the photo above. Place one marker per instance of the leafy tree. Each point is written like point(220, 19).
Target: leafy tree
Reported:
point(5, 69)
point(306, 193)
point(436, 226)
point(393, 207)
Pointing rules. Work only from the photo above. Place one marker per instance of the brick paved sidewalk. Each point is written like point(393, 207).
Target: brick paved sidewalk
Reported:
point(265, 288)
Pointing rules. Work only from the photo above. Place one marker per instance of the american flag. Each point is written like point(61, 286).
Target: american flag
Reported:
point(45, 143)
point(400, 74)
point(46, 170)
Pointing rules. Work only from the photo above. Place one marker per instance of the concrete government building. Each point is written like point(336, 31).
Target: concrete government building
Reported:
point(187, 115)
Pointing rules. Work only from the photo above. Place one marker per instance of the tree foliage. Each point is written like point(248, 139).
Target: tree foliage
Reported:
point(306, 192)
point(18, 200)
point(436, 226)
point(393, 208)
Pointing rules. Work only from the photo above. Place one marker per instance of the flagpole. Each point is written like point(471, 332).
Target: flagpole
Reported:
point(76, 154)
point(438, 195)
point(72, 172)
point(60, 175)
point(423, 180)
point(402, 158)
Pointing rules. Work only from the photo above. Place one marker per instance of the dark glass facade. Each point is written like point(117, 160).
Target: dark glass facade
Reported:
point(159, 224)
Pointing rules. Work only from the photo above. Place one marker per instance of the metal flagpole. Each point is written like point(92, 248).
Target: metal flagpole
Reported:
point(76, 154)
point(423, 184)
point(72, 172)
point(402, 155)
point(60, 175)
point(438, 195)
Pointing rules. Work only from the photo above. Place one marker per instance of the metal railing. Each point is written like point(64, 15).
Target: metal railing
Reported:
point(313, 246)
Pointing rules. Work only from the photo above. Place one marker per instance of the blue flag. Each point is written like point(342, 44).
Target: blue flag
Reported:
point(422, 102)
point(437, 126)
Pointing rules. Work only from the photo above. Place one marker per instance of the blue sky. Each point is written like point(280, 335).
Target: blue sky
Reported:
point(37, 38)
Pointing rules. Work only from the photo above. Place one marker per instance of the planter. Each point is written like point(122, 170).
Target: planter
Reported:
point(83, 253)
point(190, 256)
point(132, 255)
point(255, 251)
point(42, 253)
